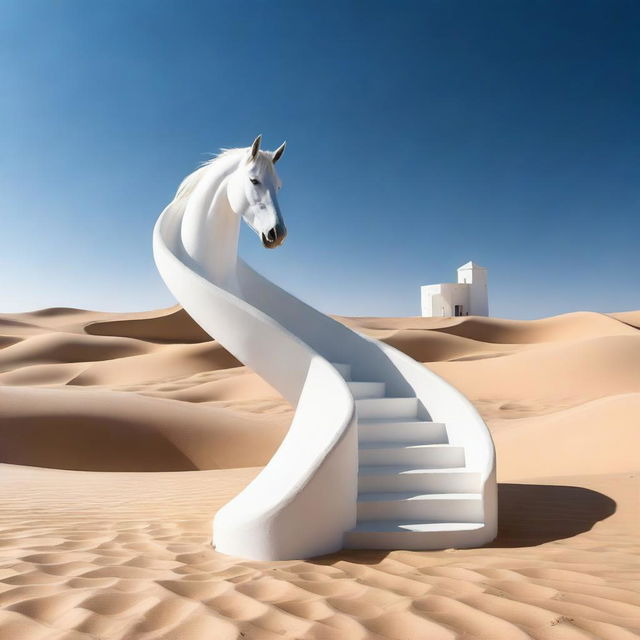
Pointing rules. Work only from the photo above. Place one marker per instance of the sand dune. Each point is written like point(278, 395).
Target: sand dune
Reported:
point(598, 437)
point(157, 364)
point(89, 549)
point(550, 377)
point(434, 346)
point(42, 374)
point(632, 318)
point(93, 430)
point(169, 325)
point(64, 348)
point(570, 326)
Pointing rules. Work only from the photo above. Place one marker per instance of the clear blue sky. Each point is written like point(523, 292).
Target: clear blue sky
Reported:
point(421, 135)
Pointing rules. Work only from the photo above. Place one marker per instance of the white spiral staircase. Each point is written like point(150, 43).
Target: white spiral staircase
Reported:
point(381, 453)
point(414, 488)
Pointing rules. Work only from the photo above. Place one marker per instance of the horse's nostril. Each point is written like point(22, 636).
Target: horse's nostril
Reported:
point(271, 235)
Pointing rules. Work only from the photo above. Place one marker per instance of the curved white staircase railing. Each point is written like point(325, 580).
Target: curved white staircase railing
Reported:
point(381, 453)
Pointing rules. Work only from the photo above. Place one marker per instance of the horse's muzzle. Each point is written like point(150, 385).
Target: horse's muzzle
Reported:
point(274, 237)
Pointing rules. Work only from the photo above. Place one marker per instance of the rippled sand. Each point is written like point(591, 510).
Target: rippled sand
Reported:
point(91, 549)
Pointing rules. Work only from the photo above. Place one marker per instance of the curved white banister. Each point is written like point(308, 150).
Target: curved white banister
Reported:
point(306, 498)
point(271, 518)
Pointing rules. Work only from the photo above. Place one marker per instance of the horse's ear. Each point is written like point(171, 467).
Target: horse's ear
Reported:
point(255, 147)
point(277, 154)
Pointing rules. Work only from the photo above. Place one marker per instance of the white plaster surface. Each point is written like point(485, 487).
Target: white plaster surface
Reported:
point(307, 499)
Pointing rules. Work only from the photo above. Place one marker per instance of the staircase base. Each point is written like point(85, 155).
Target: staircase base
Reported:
point(416, 536)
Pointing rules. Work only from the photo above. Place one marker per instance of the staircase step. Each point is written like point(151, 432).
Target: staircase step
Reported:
point(407, 453)
point(367, 389)
point(387, 408)
point(343, 369)
point(408, 478)
point(416, 431)
point(407, 534)
point(429, 507)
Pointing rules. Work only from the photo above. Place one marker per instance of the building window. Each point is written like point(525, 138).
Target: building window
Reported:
point(458, 310)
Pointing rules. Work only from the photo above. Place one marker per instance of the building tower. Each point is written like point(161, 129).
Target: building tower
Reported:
point(476, 277)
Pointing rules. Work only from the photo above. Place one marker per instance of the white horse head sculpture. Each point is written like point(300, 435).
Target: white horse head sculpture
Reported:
point(238, 184)
point(252, 192)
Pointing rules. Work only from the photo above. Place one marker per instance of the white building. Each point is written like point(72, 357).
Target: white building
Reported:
point(467, 297)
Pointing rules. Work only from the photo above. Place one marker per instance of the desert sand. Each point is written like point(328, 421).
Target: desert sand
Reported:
point(121, 434)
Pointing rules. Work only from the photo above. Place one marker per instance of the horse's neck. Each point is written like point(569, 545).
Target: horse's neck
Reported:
point(210, 228)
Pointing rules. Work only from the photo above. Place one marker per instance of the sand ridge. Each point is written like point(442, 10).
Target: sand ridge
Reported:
point(90, 549)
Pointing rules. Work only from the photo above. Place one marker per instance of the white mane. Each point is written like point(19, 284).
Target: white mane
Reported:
point(187, 186)
point(190, 182)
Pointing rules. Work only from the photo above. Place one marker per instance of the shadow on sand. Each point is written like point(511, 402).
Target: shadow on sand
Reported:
point(532, 514)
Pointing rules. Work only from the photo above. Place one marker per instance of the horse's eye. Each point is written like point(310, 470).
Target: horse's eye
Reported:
point(254, 180)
